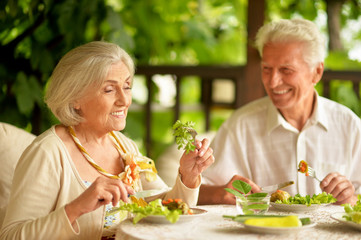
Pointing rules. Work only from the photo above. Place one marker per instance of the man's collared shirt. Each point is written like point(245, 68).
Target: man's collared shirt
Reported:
point(258, 143)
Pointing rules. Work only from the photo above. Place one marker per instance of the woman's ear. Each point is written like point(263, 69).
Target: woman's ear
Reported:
point(76, 105)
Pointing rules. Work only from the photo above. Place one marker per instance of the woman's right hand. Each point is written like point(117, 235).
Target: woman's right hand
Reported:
point(102, 191)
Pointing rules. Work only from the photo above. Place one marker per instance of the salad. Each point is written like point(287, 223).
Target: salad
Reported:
point(308, 200)
point(353, 212)
point(171, 209)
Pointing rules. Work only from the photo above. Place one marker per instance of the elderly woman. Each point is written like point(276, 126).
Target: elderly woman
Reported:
point(71, 174)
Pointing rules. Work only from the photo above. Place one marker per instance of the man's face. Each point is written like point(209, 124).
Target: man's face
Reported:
point(289, 81)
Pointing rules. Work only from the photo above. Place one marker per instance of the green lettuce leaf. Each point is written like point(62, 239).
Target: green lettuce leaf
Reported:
point(153, 208)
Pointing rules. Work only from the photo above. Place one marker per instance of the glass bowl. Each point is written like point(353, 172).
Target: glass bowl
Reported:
point(252, 205)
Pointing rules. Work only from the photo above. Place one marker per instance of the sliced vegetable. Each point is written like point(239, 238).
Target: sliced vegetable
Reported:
point(274, 219)
point(288, 221)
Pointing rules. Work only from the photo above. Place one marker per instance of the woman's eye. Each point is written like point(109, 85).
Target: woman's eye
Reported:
point(127, 86)
point(108, 89)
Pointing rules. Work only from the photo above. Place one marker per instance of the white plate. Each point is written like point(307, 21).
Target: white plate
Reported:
point(338, 217)
point(297, 207)
point(277, 230)
point(149, 193)
point(197, 212)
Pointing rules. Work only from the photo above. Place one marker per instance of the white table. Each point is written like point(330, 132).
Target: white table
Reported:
point(213, 226)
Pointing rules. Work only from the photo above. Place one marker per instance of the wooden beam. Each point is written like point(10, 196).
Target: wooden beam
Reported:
point(252, 87)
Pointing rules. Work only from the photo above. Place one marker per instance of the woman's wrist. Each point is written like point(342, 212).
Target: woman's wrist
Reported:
point(189, 181)
point(72, 212)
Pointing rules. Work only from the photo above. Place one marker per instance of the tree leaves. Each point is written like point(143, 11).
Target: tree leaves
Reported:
point(28, 92)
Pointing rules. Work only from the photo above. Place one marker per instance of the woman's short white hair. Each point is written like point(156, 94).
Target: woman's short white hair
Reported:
point(295, 30)
point(81, 68)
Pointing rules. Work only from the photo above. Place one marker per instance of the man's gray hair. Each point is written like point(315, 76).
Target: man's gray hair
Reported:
point(295, 30)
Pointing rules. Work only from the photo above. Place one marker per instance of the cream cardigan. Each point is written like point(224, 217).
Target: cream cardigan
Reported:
point(45, 180)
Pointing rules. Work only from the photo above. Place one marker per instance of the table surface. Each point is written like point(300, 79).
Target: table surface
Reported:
point(213, 225)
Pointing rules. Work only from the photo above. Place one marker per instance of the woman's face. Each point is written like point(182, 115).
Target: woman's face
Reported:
point(106, 108)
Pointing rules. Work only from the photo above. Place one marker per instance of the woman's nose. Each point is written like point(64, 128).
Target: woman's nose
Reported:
point(123, 98)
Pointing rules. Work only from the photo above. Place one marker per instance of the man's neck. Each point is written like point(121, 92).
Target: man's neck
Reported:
point(298, 116)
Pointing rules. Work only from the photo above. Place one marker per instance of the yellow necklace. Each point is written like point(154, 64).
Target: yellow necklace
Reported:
point(117, 144)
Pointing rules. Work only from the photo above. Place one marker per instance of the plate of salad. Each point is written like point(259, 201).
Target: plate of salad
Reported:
point(196, 212)
point(351, 216)
point(342, 217)
point(300, 203)
point(159, 211)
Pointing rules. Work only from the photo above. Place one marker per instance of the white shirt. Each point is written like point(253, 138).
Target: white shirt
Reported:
point(258, 143)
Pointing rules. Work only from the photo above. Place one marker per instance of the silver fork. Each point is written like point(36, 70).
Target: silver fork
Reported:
point(312, 173)
point(193, 132)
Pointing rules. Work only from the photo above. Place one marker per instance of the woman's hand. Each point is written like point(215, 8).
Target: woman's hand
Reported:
point(194, 163)
point(102, 191)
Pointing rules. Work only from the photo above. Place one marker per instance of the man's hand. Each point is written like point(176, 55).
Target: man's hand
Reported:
point(217, 194)
point(340, 187)
point(230, 197)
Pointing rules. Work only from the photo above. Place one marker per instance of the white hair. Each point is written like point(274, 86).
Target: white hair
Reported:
point(295, 30)
point(81, 68)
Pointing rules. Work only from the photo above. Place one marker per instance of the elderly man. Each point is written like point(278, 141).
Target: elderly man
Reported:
point(263, 142)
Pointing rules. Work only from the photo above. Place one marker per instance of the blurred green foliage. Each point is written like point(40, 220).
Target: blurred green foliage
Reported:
point(34, 34)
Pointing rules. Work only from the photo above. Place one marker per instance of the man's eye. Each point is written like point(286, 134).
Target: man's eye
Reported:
point(286, 70)
point(266, 69)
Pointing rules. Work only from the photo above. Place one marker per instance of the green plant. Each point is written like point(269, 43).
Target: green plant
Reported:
point(250, 204)
point(183, 137)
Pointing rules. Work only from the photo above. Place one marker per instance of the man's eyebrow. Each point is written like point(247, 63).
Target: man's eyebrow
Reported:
point(282, 65)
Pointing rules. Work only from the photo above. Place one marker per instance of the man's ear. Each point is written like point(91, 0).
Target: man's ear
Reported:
point(318, 73)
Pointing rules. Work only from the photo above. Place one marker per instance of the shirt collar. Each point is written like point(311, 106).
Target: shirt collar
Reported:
point(319, 115)
point(275, 119)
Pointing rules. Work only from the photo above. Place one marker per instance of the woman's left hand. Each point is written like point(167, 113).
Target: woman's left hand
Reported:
point(194, 163)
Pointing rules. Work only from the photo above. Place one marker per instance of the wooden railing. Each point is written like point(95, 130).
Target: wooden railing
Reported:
point(208, 74)
point(353, 76)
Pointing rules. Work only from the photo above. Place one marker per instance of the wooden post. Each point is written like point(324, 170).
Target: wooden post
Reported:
point(252, 87)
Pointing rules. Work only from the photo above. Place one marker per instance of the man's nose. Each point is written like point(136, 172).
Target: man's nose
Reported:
point(275, 79)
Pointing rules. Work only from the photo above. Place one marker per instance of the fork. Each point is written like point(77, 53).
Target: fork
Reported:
point(312, 173)
point(193, 132)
